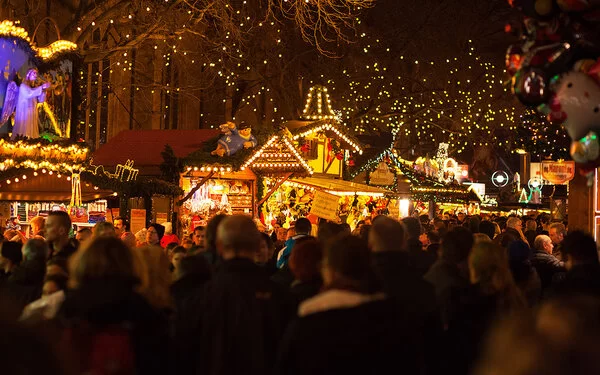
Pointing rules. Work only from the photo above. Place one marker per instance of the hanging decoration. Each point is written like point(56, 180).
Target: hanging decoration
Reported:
point(523, 197)
point(555, 69)
point(535, 185)
point(123, 173)
point(500, 179)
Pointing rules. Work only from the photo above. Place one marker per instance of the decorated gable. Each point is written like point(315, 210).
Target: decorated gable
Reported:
point(277, 156)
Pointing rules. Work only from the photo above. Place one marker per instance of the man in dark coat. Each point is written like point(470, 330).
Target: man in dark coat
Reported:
point(583, 267)
point(404, 284)
point(243, 313)
point(451, 270)
point(421, 260)
point(544, 262)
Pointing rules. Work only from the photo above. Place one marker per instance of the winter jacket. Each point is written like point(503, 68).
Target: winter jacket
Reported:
point(187, 294)
point(99, 306)
point(546, 266)
point(285, 253)
point(404, 284)
point(242, 316)
point(581, 279)
point(342, 332)
point(25, 283)
point(302, 290)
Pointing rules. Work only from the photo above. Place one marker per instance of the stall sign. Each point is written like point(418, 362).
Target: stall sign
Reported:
point(558, 172)
point(325, 205)
point(138, 220)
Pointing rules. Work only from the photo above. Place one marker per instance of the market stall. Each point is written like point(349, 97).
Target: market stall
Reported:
point(38, 176)
point(416, 185)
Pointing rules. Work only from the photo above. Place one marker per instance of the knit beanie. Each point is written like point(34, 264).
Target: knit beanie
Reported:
point(159, 229)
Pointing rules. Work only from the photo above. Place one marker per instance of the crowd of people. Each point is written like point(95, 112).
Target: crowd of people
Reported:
point(456, 293)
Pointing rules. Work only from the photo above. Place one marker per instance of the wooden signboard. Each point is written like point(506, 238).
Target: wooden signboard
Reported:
point(325, 205)
point(138, 220)
point(558, 172)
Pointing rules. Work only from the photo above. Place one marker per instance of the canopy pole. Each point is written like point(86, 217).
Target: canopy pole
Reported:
point(195, 188)
point(274, 188)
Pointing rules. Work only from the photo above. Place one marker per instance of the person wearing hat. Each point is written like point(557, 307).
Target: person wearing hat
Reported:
point(154, 234)
point(234, 139)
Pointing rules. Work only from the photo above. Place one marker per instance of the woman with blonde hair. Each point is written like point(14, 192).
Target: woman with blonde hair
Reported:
point(474, 309)
point(158, 274)
point(104, 305)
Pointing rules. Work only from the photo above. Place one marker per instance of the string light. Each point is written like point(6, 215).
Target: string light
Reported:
point(10, 30)
point(277, 155)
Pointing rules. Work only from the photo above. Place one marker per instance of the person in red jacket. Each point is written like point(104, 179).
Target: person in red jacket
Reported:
point(169, 237)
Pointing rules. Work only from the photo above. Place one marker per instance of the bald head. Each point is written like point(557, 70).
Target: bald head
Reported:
point(386, 234)
point(237, 236)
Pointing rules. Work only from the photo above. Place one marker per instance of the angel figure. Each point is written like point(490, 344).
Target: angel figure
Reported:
point(23, 101)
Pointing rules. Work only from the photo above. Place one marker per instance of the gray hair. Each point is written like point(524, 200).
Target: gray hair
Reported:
point(539, 241)
point(238, 234)
point(512, 222)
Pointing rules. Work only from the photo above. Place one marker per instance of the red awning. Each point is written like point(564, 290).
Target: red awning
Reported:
point(144, 147)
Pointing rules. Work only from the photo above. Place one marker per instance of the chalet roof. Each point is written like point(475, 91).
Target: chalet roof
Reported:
point(48, 188)
point(332, 128)
point(340, 187)
point(144, 147)
point(421, 187)
point(278, 155)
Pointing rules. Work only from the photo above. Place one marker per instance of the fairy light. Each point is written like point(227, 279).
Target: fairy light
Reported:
point(332, 128)
point(313, 108)
point(277, 154)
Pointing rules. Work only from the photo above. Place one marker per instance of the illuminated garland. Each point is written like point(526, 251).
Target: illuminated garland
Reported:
point(278, 155)
point(390, 159)
point(40, 154)
point(422, 188)
point(142, 187)
point(334, 130)
point(19, 36)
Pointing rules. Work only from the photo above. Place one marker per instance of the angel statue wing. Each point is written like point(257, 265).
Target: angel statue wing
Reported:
point(10, 101)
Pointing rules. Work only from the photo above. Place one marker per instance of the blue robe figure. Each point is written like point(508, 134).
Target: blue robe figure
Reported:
point(235, 139)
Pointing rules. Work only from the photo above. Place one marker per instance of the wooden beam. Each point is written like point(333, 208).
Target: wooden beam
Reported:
point(195, 188)
point(330, 163)
point(274, 188)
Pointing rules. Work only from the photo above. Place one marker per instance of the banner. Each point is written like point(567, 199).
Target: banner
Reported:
point(325, 205)
point(558, 172)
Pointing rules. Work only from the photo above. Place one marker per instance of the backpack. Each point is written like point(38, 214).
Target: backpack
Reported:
point(108, 350)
